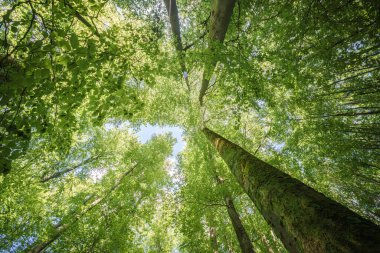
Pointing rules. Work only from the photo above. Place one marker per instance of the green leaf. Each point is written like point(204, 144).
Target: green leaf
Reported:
point(82, 63)
point(74, 41)
point(38, 44)
point(7, 15)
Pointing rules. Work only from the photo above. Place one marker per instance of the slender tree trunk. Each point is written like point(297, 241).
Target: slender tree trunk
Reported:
point(243, 238)
point(61, 228)
point(172, 9)
point(241, 234)
point(221, 12)
point(304, 220)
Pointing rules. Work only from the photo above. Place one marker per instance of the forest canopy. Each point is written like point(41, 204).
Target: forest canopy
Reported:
point(278, 103)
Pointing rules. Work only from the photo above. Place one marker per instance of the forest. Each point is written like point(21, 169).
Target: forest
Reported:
point(190, 126)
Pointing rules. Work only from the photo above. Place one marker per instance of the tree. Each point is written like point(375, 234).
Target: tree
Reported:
point(61, 228)
point(51, 62)
point(295, 83)
point(241, 233)
point(244, 241)
point(288, 83)
point(221, 12)
point(87, 203)
point(204, 199)
point(321, 223)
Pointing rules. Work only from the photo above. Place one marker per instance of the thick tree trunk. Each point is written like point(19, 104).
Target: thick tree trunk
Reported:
point(243, 238)
point(221, 12)
point(304, 220)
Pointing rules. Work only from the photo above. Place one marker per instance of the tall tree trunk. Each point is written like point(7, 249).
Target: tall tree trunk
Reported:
point(221, 12)
point(172, 9)
point(304, 220)
point(241, 234)
point(243, 238)
point(61, 228)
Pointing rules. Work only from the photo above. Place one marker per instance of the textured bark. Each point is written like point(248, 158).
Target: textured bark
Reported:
point(61, 228)
point(171, 7)
point(243, 238)
point(221, 12)
point(304, 220)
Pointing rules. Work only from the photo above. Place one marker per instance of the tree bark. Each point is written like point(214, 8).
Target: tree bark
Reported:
point(221, 12)
point(241, 234)
point(243, 238)
point(171, 7)
point(304, 220)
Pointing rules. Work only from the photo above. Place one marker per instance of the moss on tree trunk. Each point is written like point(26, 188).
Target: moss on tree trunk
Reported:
point(304, 219)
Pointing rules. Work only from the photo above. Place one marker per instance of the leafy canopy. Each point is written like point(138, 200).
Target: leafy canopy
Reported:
point(293, 82)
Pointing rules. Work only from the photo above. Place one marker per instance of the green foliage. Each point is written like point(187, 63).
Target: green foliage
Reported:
point(295, 83)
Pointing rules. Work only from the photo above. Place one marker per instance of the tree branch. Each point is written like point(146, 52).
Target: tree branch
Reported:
point(60, 173)
point(23, 37)
point(196, 41)
point(82, 19)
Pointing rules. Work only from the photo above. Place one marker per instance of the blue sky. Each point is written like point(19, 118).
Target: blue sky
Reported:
point(147, 131)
